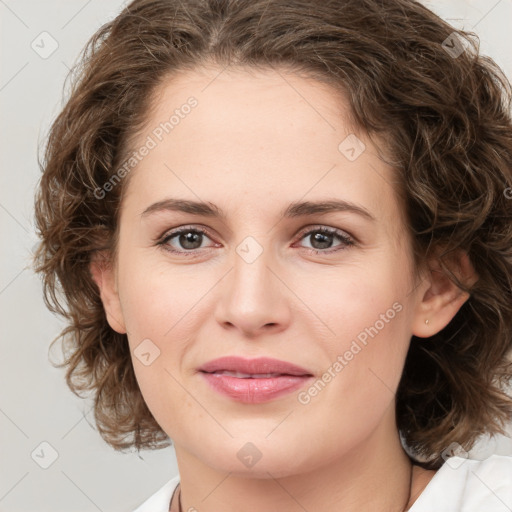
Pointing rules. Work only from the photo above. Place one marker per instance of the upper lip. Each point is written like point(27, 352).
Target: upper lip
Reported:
point(253, 366)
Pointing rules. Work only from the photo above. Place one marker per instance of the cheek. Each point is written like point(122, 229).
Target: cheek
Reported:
point(361, 301)
point(156, 299)
point(367, 312)
point(161, 310)
point(158, 334)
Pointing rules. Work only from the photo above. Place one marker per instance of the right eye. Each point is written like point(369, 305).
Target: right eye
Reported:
point(186, 240)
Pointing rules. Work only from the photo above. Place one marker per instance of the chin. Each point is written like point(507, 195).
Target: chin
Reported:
point(258, 458)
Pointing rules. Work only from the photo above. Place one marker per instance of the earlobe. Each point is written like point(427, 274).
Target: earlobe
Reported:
point(103, 274)
point(441, 298)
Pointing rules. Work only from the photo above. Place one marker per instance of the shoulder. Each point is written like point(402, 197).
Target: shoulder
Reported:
point(160, 500)
point(469, 485)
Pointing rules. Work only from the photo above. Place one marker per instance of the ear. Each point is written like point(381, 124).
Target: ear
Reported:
point(103, 274)
point(441, 298)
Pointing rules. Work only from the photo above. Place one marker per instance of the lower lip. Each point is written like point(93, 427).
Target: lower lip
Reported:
point(254, 391)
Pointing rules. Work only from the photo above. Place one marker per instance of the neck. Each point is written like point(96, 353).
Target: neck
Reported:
point(376, 476)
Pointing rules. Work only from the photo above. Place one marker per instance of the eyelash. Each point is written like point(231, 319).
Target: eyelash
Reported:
point(346, 240)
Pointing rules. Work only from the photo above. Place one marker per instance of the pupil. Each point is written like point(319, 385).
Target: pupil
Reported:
point(323, 239)
point(188, 240)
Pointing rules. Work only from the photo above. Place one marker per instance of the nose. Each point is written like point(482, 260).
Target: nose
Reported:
point(255, 298)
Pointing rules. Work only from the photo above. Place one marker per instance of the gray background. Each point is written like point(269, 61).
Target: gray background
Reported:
point(35, 404)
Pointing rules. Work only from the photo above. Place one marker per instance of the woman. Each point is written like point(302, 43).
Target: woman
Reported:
point(283, 237)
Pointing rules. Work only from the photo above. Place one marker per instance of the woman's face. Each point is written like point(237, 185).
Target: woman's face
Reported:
point(255, 146)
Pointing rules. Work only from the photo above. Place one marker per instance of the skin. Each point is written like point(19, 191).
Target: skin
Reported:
point(255, 143)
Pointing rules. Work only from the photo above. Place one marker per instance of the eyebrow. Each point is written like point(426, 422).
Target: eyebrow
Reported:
point(295, 209)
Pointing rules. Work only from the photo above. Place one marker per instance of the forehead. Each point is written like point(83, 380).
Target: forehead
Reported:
point(250, 139)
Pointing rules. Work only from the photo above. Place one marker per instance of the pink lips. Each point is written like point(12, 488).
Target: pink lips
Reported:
point(253, 380)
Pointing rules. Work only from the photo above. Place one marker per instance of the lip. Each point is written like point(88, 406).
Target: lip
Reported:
point(289, 377)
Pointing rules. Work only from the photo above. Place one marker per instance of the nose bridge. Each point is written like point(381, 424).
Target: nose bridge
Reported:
point(253, 297)
point(251, 266)
point(251, 273)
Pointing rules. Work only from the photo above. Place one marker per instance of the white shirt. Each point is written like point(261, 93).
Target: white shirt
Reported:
point(460, 485)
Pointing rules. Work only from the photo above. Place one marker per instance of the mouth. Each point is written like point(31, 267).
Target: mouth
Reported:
point(253, 380)
point(260, 367)
point(240, 375)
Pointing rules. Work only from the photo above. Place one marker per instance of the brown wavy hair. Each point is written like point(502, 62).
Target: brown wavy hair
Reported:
point(446, 121)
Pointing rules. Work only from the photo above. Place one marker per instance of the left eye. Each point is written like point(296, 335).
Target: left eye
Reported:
point(323, 237)
point(191, 239)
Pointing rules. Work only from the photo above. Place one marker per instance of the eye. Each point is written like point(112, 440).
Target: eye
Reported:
point(187, 240)
point(322, 238)
point(184, 240)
